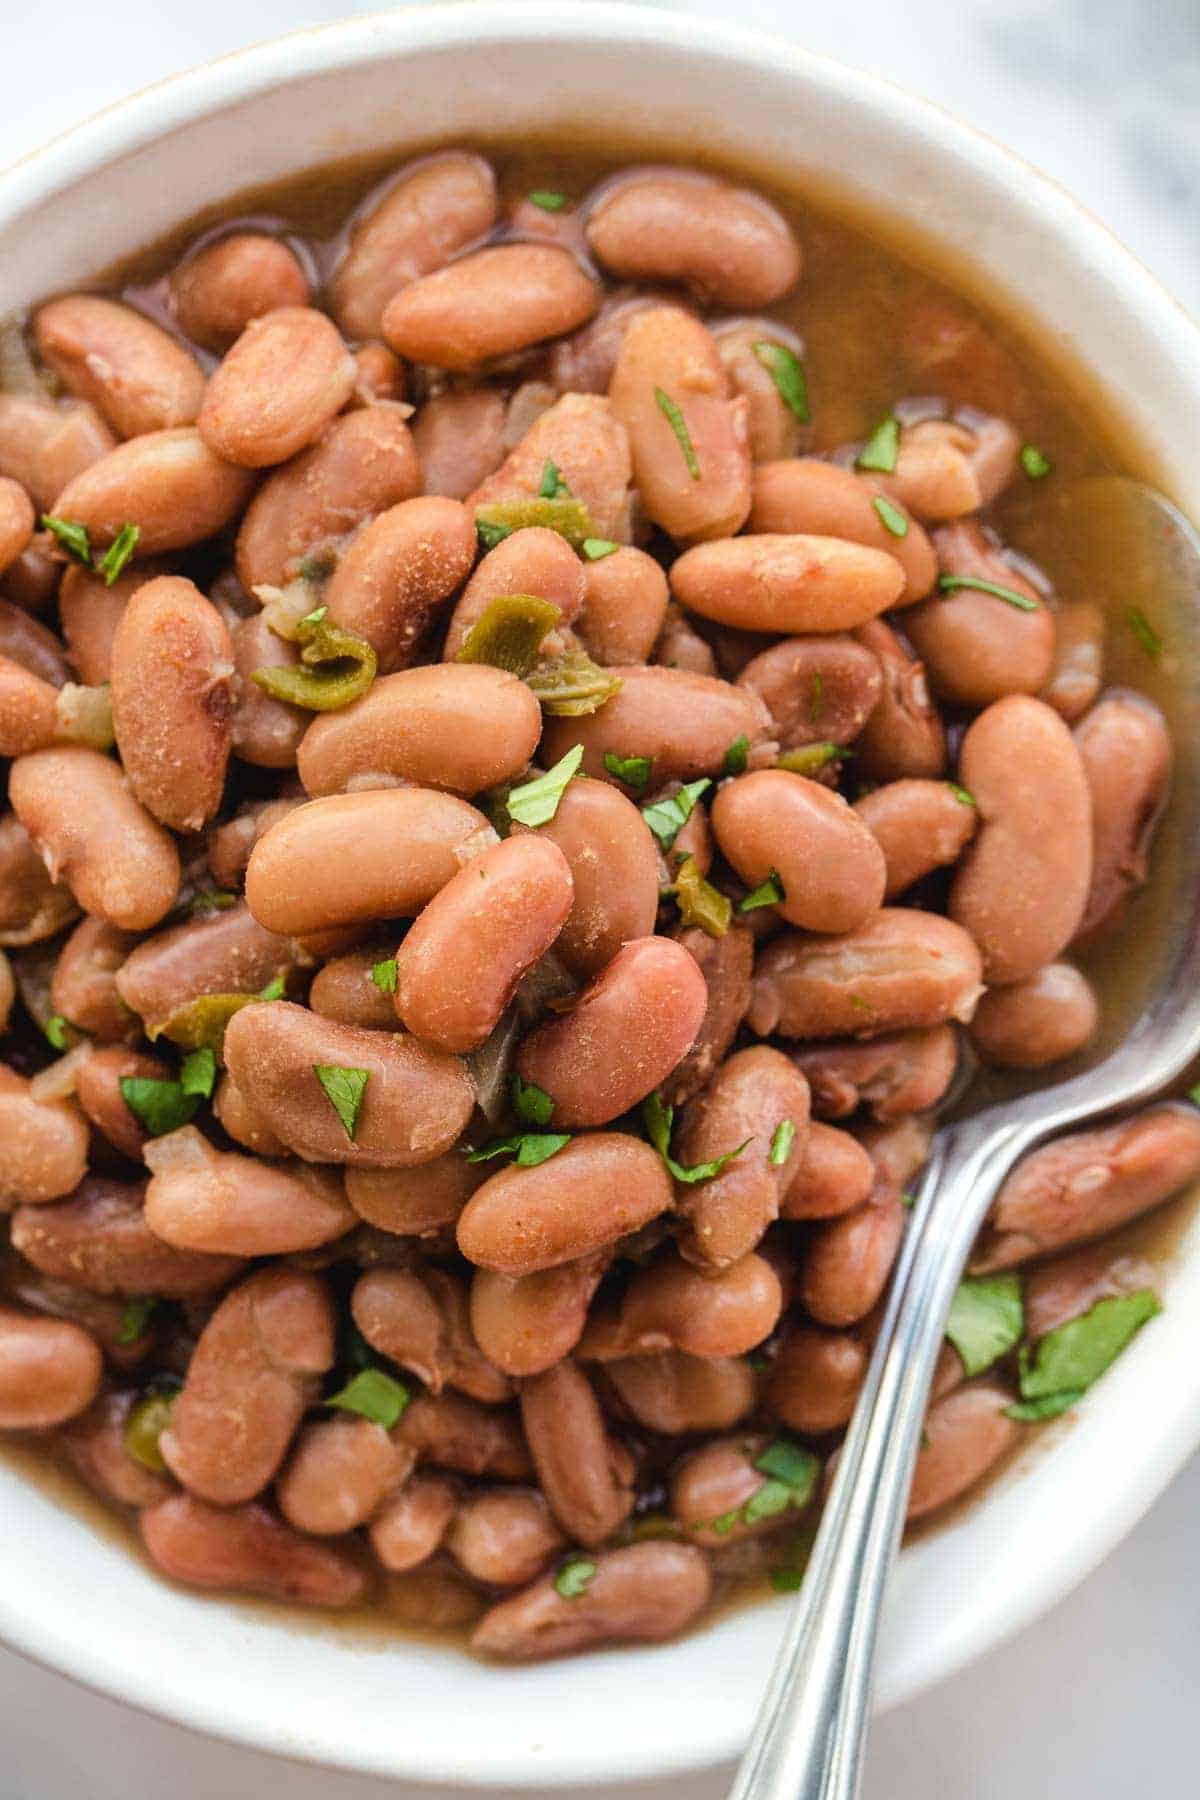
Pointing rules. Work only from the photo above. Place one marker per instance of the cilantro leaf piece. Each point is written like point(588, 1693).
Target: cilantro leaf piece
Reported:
point(735, 757)
point(787, 372)
point(781, 1143)
point(528, 1147)
point(667, 818)
point(344, 1090)
point(531, 1104)
point(158, 1106)
point(949, 584)
point(1034, 462)
point(1074, 1355)
point(890, 516)
point(384, 975)
point(634, 771)
point(767, 893)
point(882, 447)
point(113, 562)
point(56, 1030)
point(658, 1119)
point(548, 200)
point(961, 794)
point(199, 1073)
point(275, 989)
point(70, 536)
point(374, 1395)
point(595, 549)
point(1144, 632)
point(575, 1577)
point(135, 1317)
point(536, 801)
point(986, 1320)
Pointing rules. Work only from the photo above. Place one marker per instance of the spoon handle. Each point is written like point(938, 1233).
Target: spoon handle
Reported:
point(807, 1743)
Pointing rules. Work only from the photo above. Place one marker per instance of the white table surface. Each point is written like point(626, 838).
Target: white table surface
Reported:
point(1096, 1702)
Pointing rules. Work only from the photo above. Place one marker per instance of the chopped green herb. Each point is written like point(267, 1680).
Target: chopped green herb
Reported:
point(816, 704)
point(374, 1395)
point(528, 1147)
point(1194, 1094)
point(575, 1577)
point(772, 1498)
point(767, 893)
point(113, 562)
point(314, 617)
point(1032, 1412)
point(71, 537)
point(158, 1106)
point(548, 200)
point(135, 1317)
point(781, 1143)
point(908, 1199)
point(658, 1118)
point(724, 1525)
point(700, 903)
point(212, 900)
point(890, 516)
point(145, 1425)
point(509, 631)
point(572, 686)
point(1144, 632)
point(199, 1073)
point(949, 584)
point(634, 771)
point(536, 802)
point(678, 424)
point(787, 1581)
point(961, 794)
point(490, 534)
point(336, 666)
point(787, 372)
point(792, 1464)
point(882, 447)
point(564, 514)
point(596, 549)
point(810, 759)
point(383, 974)
point(552, 483)
point(735, 757)
point(1034, 463)
point(986, 1320)
point(1069, 1359)
point(531, 1104)
point(275, 989)
point(344, 1090)
point(667, 818)
point(56, 1029)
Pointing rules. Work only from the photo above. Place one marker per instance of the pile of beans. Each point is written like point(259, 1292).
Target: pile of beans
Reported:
point(510, 849)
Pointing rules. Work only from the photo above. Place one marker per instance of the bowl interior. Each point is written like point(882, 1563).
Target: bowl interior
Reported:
point(76, 1598)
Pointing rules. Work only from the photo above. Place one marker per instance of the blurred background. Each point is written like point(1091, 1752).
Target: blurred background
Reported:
point(1097, 1701)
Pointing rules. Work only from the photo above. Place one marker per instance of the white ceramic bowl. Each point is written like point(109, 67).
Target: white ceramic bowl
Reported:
point(78, 1601)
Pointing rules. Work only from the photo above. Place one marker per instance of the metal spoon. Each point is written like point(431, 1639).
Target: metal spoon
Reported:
point(808, 1741)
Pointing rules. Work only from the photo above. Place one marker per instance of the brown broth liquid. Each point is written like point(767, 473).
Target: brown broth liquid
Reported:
point(869, 296)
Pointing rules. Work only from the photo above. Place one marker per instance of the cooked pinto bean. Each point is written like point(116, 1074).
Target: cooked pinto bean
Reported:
point(1069, 1285)
point(774, 430)
point(669, 1305)
point(903, 736)
point(710, 1489)
point(725, 963)
point(504, 1538)
point(106, 353)
point(349, 859)
point(24, 640)
point(966, 1434)
point(251, 1376)
point(533, 560)
point(247, 1550)
point(242, 1122)
point(815, 1379)
point(278, 387)
point(84, 988)
point(1126, 752)
point(946, 468)
point(1078, 659)
point(455, 1433)
point(614, 869)
point(398, 571)
point(43, 447)
point(32, 580)
point(727, 244)
point(421, 1321)
point(596, 1190)
point(460, 440)
point(89, 612)
point(688, 437)
point(585, 439)
point(899, 1073)
point(98, 1091)
point(1048, 1016)
point(16, 521)
point(416, 1201)
point(343, 990)
point(45, 1145)
point(28, 711)
point(1022, 885)
point(216, 293)
point(586, 1476)
point(680, 647)
point(527, 1323)
point(412, 1522)
point(172, 660)
point(101, 1239)
point(49, 1371)
point(829, 866)
point(414, 1103)
point(203, 1199)
point(168, 483)
point(848, 1260)
point(753, 1096)
point(805, 495)
point(683, 723)
point(976, 645)
point(1084, 1185)
point(228, 952)
point(338, 1473)
point(787, 582)
point(677, 1394)
point(263, 730)
point(466, 727)
point(624, 606)
point(903, 968)
point(459, 966)
point(489, 304)
point(641, 1594)
point(628, 1029)
point(817, 690)
point(835, 1174)
point(920, 826)
point(95, 1446)
point(436, 208)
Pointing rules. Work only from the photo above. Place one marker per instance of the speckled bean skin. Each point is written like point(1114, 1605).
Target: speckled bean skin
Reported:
point(683, 722)
point(49, 1371)
point(89, 612)
point(94, 1444)
point(450, 317)
point(585, 438)
point(1126, 751)
point(1075, 679)
point(216, 293)
point(453, 1432)
point(726, 964)
point(641, 1594)
point(98, 1092)
point(16, 521)
point(169, 482)
point(1028, 1024)
point(338, 1473)
point(397, 572)
point(830, 865)
point(242, 1206)
point(614, 871)
point(227, 952)
point(835, 1174)
point(44, 446)
point(415, 1103)
point(625, 603)
point(976, 646)
point(920, 826)
point(411, 1523)
point(584, 1473)
point(806, 495)
point(84, 988)
point(817, 690)
point(277, 388)
point(504, 1538)
point(527, 1323)
point(670, 1305)
point(786, 582)
point(138, 376)
point(711, 1486)
point(774, 430)
point(898, 1073)
point(966, 1433)
point(100, 1238)
point(848, 1260)
point(1021, 886)
point(246, 1550)
point(422, 1322)
point(904, 735)
point(815, 1379)
point(459, 437)
point(416, 1201)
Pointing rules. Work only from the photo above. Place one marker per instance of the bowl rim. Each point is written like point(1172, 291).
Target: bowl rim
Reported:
point(193, 94)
